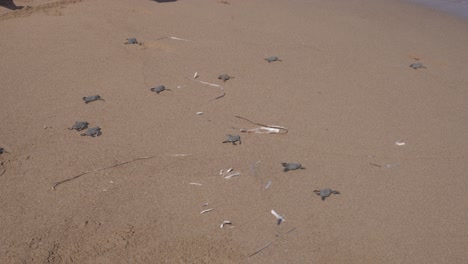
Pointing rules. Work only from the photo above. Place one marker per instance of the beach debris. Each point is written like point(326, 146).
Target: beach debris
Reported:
point(224, 2)
point(417, 65)
point(159, 89)
point(291, 166)
point(252, 166)
point(400, 143)
point(222, 172)
point(179, 155)
point(389, 166)
point(195, 183)
point(278, 217)
point(181, 39)
point(233, 139)
point(324, 193)
point(195, 75)
point(54, 187)
point(199, 113)
point(268, 185)
point(131, 41)
point(205, 204)
point(227, 174)
point(263, 129)
point(226, 222)
point(234, 174)
point(376, 165)
point(211, 84)
point(79, 125)
point(89, 99)
point(174, 38)
point(272, 58)
point(225, 77)
point(93, 132)
point(206, 211)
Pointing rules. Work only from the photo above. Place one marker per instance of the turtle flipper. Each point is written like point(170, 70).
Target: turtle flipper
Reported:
point(323, 198)
point(335, 192)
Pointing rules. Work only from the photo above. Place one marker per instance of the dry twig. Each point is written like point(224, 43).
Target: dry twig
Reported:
point(285, 130)
point(109, 167)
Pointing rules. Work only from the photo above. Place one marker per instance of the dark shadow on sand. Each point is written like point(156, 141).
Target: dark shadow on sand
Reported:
point(164, 1)
point(9, 4)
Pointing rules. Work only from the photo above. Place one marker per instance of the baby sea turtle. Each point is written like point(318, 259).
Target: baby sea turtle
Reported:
point(233, 139)
point(79, 125)
point(417, 66)
point(225, 77)
point(93, 132)
point(272, 58)
point(131, 41)
point(159, 89)
point(291, 166)
point(324, 193)
point(92, 98)
point(2, 150)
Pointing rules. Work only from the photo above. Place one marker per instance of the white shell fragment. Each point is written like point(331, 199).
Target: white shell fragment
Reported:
point(206, 211)
point(400, 143)
point(195, 183)
point(195, 75)
point(234, 174)
point(225, 223)
point(179, 39)
point(199, 113)
point(268, 185)
point(278, 217)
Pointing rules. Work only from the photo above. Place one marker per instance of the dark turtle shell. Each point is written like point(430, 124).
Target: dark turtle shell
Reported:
point(93, 132)
point(79, 125)
point(291, 166)
point(92, 98)
point(158, 89)
point(272, 58)
point(131, 41)
point(232, 139)
point(324, 193)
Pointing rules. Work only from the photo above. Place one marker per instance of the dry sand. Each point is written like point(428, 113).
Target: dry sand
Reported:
point(344, 90)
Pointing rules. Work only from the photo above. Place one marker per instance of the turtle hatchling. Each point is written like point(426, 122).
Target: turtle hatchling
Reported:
point(159, 89)
point(233, 139)
point(291, 166)
point(131, 41)
point(2, 150)
point(93, 132)
point(225, 77)
point(79, 125)
point(272, 58)
point(324, 193)
point(417, 66)
point(89, 99)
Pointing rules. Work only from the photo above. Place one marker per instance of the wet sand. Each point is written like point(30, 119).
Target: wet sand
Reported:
point(343, 90)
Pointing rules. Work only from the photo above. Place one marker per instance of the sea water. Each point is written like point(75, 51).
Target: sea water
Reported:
point(456, 7)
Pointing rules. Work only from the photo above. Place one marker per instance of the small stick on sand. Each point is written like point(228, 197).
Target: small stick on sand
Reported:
point(54, 187)
point(285, 130)
point(3, 169)
point(210, 84)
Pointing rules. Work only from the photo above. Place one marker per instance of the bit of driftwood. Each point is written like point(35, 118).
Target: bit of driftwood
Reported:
point(258, 251)
point(377, 165)
point(3, 169)
point(109, 167)
point(283, 129)
point(174, 38)
point(210, 84)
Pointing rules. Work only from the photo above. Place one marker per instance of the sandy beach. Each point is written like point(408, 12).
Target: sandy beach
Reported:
point(391, 139)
